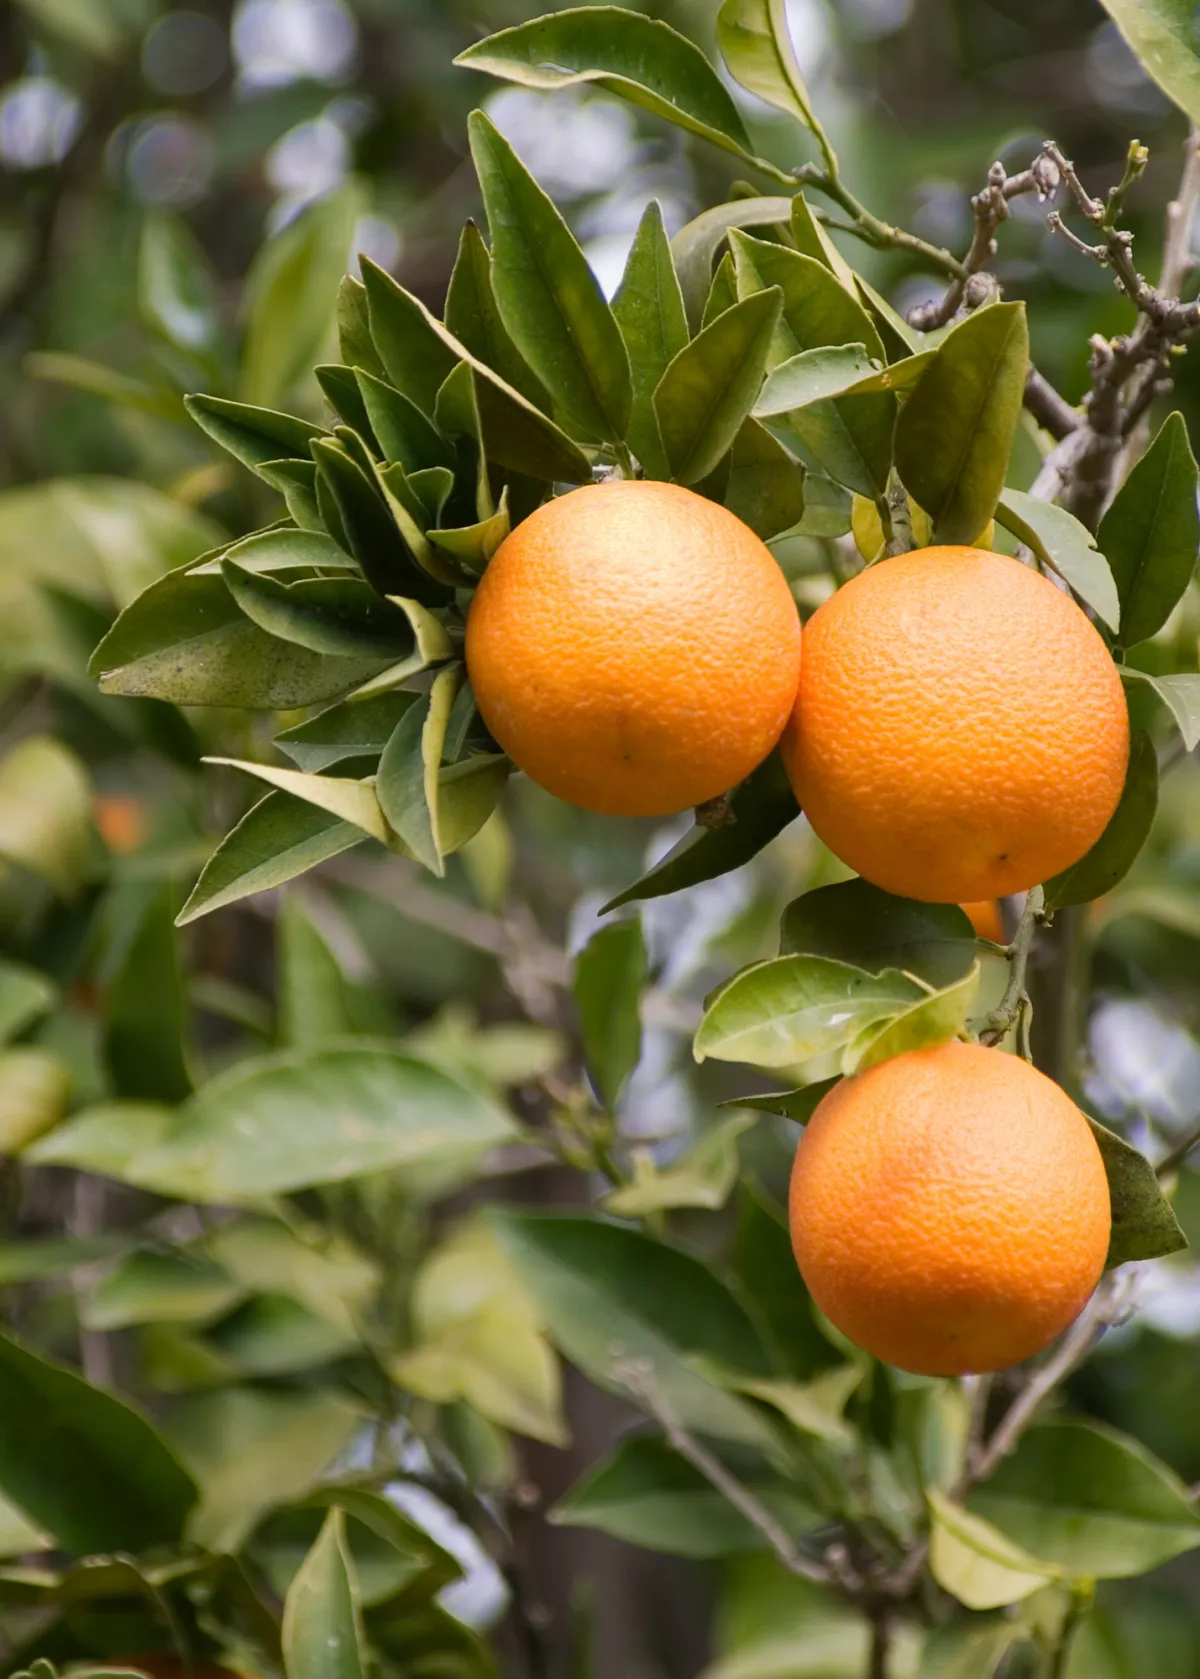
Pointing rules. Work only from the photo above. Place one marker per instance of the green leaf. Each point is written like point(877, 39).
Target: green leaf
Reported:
point(976, 1563)
point(279, 549)
point(695, 245)
point(290, 295)
point(472, 546)
point(407, 783)
point(25, 995)
point(415, 356)
point(812, 240)
point(145, 1012)
point(704, 1177)
point(322, 1632)
point(287, 1121)
point(358, 729)
point(644, 1494)
point(969, 1649)
point(103, 1138)
point(766, 482)
point(149, 1287)
point(323, 1272)
point(35, 1089)
point(708, 390)
point(404, 433)
point(626, 53)
point(1151, 533)
point(313, 1003)
point(861, 924)
point(279, 838)
point(340, 387)
point(649, 311)
point(549, 298)
point(185, 639)
point(608, 978)
point(354, 327)
point(255, 1449)
point(177, 290)
point(390, 556)
point(1061, 542)
point(348, 800)
point(82, 1464)
point(813, 376)
point(763, 806)
point(1181, 695)
point(1118, 848)
point(826, 508)
point(607, 1294)
point(769, 1280)
point(755, 43)
point(934, 1020)
point(81, 374)
point(1144, 1225)
point(799, 1105)
point(814, 1407)
point(1162, 35)
point(296, 482)
point(722, 294)
point(956, 431)
point(1091, 1500)
point(517, 435)
point(782, 1013)
point(342, 616)
point(251, 434)
point(473, 316)
point(45, 813)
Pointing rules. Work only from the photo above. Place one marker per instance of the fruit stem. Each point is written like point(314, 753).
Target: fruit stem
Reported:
point(1014, 1004)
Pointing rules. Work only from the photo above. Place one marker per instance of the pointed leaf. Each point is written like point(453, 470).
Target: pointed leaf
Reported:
point(1162, 35)
point(1151, 533)
point(1061, 542)
point(473, 316)
point(722, 294)
point(626, 53)
point(296, 482)
point(956, 431)
point(360, 729)
point(252, 435)
point(755, 43)
point(103, 1138)
point(1181, 696)
point(649, 311)
point(386, 553)
point(280, 838)
point(976, 1563)
point(704, 1177)
point(348, 801)
point(313, 1003)
point(404, 432)
point(781, 1013)
point(799, 1105)
point(407, 784)
point(415, 357)
point(1144, 1225)
point(145, 1011)
point(608, 978)
point(549, 298)
point(177, 290)
point(813, 241)
point(354, 327)
point(1119, 846)
point(342, 616)
point(934, 1020)
point(322, 1632)
point(813, 376)
point(710, 387)
point(279, 548)
point(766, 482)
point(695, 245)
point(861, 924)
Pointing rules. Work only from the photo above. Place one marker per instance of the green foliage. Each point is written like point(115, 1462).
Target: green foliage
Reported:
point(1151, 532)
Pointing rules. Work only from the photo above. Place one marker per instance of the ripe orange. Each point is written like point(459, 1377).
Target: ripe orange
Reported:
point(959, 731)
point(986, 919)
point(634, 648)
point(949, 1210)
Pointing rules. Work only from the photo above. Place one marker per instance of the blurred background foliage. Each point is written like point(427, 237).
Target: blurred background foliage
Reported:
point(180, 190)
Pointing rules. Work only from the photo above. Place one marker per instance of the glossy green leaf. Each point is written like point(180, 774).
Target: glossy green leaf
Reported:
point(357, 729)
point(286, 1121)
point(82, 1464)
point(766, 482)
point(186, 640)
point(104, 1138)
point(626, 53)
point(278, 549)
point(644, 1494)
point(812, 240)
point(934, 1020)
point(956, 431)
point(338, 796)
point(826, 508)
point(150, 1287)
point(251, 434)
point(405, 434)
point(407, 783)
point(145, 1011)
point(341, 390)
point(861, 924)
point(279, 838)
point(313, 1000)
point(389, 556)
point(799, 1105)
point(976, 1563)
point(755, 44)
point(1144, 1225)
point(342, 616)
point(548, 296)
point(609, 975)
point(296, 482)
point(813, 376)
point(35, 1089)
point(322, 1633)
point(1162, 35)
point(1181, 696)
point(25, 995)
point(517, 434)
point(763, 806)
point(709, 389)
point(1061, 542)
point(472, 546)
point(354, 327)
point(695, 245)
point(1151, 533)
point(415, 357)
point(45, 813)
point(1118, 848)
point(602, 1286)
point(782, 1013)
point(649, 311)
point(704, 1177)
point(473, 316)
point(770, 1281)
point(1091, 1500)
point(273, 1335)
point(722, 294)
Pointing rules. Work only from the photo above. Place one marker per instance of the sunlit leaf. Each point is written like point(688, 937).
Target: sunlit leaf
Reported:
point(704, 1177)
point(650, 313)
point(279, 838)
point(695, 245)
point(1061, 542)
point(1162, 34)
point(976, 1563)
point(35, 1089)
point(934, 1020)
point(709, 389)
point(322, 1631)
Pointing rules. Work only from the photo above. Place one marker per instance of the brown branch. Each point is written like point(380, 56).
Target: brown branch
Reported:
point(1176, 1156)
point(1051, 410)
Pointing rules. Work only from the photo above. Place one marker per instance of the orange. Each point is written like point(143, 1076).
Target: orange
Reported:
point(634, 648)
point(959, 731)
point(987, 920)
point(949, 1210)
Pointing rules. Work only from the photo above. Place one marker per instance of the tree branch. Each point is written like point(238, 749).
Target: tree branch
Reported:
point(1016, 998)
point(1176, 1156)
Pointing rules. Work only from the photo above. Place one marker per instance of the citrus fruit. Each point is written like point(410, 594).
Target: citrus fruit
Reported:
point(634, 648)
point(949, 1210)
point(959, 730)
point(986, 919)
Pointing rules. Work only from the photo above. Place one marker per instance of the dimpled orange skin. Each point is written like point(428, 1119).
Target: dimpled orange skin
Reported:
point(634, 648)
point(960, 731)
point(949, 1210)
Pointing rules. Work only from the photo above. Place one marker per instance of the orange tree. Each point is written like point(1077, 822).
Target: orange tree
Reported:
point(478, 555)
